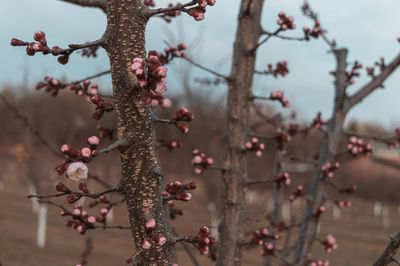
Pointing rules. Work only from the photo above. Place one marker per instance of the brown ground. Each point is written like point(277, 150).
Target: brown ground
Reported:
point(360, 235)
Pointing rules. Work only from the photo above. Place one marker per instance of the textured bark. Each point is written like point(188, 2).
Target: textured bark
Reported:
point(141, 172)
point(231, 228)
point(309, 224)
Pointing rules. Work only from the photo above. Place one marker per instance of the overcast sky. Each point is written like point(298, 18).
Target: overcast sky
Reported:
point(368, 28)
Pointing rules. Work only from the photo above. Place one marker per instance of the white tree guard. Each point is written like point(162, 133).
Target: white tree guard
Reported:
point(42, 224)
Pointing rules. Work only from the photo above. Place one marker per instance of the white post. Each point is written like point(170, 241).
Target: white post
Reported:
point(35, 204)
point(214, 219)
point(110, 215)
point(286, 211)
point(42, 224)
point(377, 208)
point(337, 213)
point(386, 217)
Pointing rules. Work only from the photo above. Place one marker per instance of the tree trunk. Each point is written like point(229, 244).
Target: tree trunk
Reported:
point(231, 228)
point(141, 172)
point(330, 146)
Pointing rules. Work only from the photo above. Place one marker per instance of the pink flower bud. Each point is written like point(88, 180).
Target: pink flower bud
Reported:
point(160, 87)
point(86, 152)
point(210, 161)
point(77, 171)
point(93, 140)
point(197, 160)
point(92, 219)
point(161, 240)
point(146, 244)
point(166, 103)
point(104, 211)
point(150, 224)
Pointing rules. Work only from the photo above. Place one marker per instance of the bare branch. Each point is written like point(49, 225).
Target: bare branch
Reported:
point(206, 69)
point(378, 138)
point(179, 7)
point(113, 146)
point(265, 40)
point(102, 4)
point(391, 250)
point(375, 83)
point(93, 76)
point(283, 37)
point(89, 195)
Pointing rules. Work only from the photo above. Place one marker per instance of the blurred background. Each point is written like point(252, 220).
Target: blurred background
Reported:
point(28, 167)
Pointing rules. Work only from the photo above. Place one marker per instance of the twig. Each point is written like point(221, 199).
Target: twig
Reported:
point(89, 195)
point(179, 7)
point(391, 250)
point(205, 68)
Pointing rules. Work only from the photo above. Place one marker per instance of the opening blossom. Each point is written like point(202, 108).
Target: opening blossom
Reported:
point(77, 171)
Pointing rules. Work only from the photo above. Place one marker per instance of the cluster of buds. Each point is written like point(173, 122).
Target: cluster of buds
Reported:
point(177, 191)
point(282, 180)
point(353, 73)
point(286, 23)
point(183, 115)
point(279, 96)
point(315, 32)
point(319, 263)
point(151, 74)
point(74, 167)
point(342, 203)
point(280, 69)
point(329, 243)
point(170, 145)
point(328, 168)
point(160, 100)
point(197, 12)
point(61, 187)
point(357, 147)
point(41, 46)
point(86, 88)
point(261, 237)
point(171, 52)
point(104, 132)
point(102, 199)
point(256, 146)
point(297, 193)
point(281, 138)
point(152, 239)
point(101, 107)
point(201, 161)
point(81, 219)
point(318, 122)
point(318, 211)
point(53, 86)
point(202, 241)
point(381, 64)
point(167, 16)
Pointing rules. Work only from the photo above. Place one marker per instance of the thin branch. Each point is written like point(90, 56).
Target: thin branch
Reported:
point(187, 249)
point(265, 40)
point(249, 182)
point(375, 83)
point(179, 7)
point(89, 195)
point(93, 76)
point(391, 250)
point(113, 146)
point(205, 68)
point(102, 4)
point(284, 37)
point(112, 226)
